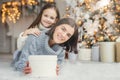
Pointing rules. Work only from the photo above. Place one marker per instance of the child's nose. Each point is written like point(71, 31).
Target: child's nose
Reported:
point(49, 19)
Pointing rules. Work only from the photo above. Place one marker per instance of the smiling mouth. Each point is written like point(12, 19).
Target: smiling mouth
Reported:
point(47, 22)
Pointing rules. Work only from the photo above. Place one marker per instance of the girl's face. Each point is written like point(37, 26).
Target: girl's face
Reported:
point(48, 17)
point(62, 33)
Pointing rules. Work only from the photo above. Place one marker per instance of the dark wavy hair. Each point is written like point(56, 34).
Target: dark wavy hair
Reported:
point(71, 44)
point(38, 18)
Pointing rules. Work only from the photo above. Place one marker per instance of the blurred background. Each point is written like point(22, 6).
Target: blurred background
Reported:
point(98, 20)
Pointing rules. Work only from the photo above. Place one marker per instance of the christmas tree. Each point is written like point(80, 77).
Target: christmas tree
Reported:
point(98, 20)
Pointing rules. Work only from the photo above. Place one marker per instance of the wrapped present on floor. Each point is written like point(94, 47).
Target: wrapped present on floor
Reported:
point(84, 54)
point(107, 51)
point(95, 53)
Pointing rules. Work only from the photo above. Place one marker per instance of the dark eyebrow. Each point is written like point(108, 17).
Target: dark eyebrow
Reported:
point(64, 27)
point(67, 33)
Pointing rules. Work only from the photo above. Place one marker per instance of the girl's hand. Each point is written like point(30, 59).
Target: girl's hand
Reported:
point(57, 69)
point(27, 69)
point(34, 31)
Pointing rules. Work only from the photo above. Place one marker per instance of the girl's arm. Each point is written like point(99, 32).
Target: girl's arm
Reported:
point(34, 31)
point(23, 36)
point(61, 57)
point(28, 49)
point(21, 41)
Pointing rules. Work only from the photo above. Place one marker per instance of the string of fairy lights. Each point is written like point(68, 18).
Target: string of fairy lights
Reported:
point(11, 10)
point(90, 8)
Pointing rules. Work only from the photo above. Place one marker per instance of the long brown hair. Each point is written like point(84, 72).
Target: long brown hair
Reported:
point(71, 44)
point(38, 18)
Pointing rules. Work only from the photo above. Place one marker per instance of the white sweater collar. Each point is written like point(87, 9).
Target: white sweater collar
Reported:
point(41, 27)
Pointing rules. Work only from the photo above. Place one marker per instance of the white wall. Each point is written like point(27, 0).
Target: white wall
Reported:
point(61, 6)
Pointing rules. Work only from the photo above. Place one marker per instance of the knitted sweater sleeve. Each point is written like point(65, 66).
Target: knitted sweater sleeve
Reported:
point(61, 57)
point(21, 41)
point(28, 49)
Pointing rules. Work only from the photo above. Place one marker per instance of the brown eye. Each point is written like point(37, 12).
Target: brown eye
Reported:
point(52, 18)
point(46, 15)
point(69, 35)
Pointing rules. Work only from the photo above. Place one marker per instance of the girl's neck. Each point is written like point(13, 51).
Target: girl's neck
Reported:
point(41, 27)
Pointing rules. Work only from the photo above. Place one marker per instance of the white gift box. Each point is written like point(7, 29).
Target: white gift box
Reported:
point(43, 65)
